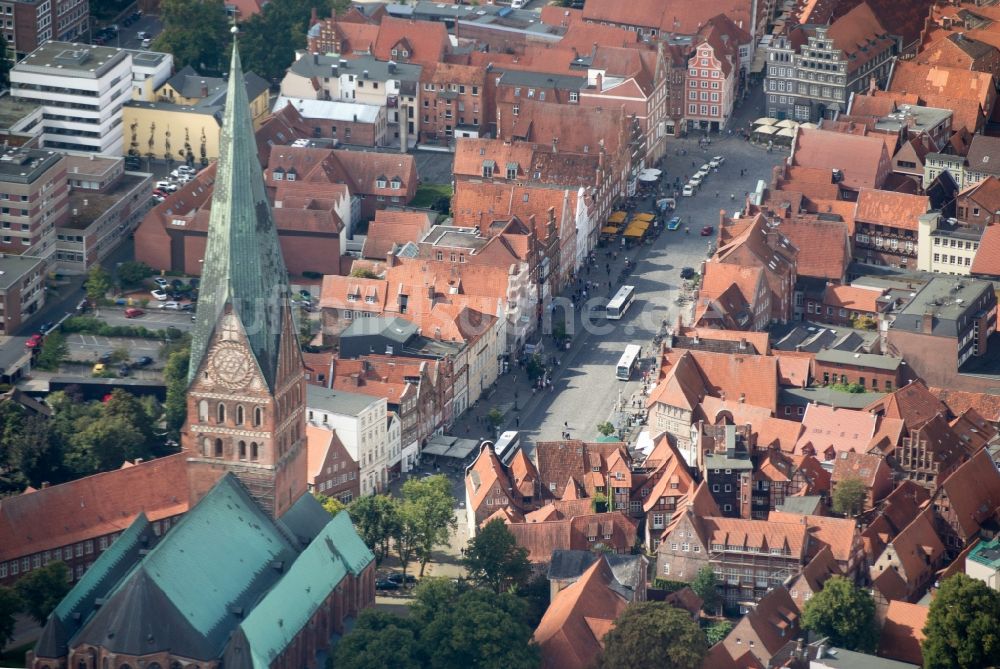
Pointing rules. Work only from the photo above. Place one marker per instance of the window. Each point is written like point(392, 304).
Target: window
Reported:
point(239, 414)
point(253, 451)
point(258, 416)
point(380, 183)
point(203, 411)
point(243, 450)
point(220, 413)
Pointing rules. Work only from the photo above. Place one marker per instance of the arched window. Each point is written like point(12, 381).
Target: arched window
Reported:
point(253, 451)
point(220, 413)
point(153, 665)
point(124, 665)
point(243, 450)
point(82, 664)
point(239, 414)
point(258, 416)
point(203, 410)
point(104, 663)
point(206, 446)
point(175, 665)
point(218, 448)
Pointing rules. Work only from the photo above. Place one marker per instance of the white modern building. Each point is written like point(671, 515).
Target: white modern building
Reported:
point(81, 89)
point(360, 423)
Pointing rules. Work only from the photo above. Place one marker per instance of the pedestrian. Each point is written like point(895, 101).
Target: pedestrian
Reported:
point(517, 421)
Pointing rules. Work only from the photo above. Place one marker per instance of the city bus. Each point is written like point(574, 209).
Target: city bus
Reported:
point(620, 303)
point(628, 362)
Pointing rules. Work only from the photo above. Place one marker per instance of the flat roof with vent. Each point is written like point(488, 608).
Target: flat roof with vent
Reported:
point(23, 166)
point(13, 268)
point(78, 60)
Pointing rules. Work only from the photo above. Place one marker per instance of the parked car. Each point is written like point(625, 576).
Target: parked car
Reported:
point(701, 175)
point(168, 186)
point(144, 361)
point(146, 43)
point(188, 307)
point(696, 179)
point(687, 273)
point(706, 168)
point(133, 312)
point(161, 282)
point(176, 306)
point(185, 178)
point(688, 190)
point(124, 370)
point(46, 327)
point(398, 578)
point(674, 223)
point(707, 231)
point(385, 584)
point(34, 341)
point(105, 357)
point(98, 369)
point(159, 295)
point(160, 193)
point(716, 161)
point(141, 35)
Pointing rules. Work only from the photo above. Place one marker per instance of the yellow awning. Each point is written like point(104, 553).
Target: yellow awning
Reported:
point(617, 217)
point(648, 218)
point(609, 230)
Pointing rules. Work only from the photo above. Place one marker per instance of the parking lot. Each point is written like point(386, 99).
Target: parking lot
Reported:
point(153, 318)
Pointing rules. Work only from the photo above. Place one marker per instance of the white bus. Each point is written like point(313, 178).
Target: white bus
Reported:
point(620, 303)
point(628, 362)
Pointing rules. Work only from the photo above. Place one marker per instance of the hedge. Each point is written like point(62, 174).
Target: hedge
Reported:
point(95, 326)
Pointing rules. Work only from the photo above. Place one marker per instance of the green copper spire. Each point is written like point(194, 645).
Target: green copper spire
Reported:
point(243, 269)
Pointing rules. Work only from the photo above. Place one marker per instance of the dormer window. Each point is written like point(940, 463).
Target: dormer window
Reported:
point(278, 174)
point(380, 182)
point(396, 184)
point(574, 96)
point(488, 167)
point(404, 53)
point(395, 52)
point(290, 176)
point(516, 110)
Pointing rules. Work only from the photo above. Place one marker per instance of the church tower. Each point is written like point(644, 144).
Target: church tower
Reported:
point(246, 392)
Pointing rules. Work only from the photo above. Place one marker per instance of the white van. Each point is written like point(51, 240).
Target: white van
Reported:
point(516, 4)
point(146, 42)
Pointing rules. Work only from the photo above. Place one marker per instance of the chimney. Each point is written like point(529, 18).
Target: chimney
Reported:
point(927, 326)
point(743, 343)
point(430, 293)
point(555, 140)
point(315, 57)
point(390, 259)
point(204, 89)
point(45, 484)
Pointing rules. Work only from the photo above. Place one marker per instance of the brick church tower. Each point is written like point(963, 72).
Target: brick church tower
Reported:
point(246, 394)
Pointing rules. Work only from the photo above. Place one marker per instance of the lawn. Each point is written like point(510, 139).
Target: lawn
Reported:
point(428, 194)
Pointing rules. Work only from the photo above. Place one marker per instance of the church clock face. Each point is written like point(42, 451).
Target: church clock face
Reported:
point(231, 366)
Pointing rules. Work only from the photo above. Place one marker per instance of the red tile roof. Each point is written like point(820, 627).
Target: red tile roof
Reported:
point(840, 535)
point(824, 246)
point(93, 506)
point(754, 378)
point(827, 431)
point(933, 81)
point(862, 466)
point(913, 403)
point(427, 41)
point(852, 298)
point(560, 460)
point(773, 622)
point(793, 370)
point(567, 635)
point(762, 534)
point(391, 228)
point(540, 538)
point(778, 432)
point(903, 632)
point(860, 158)
point(987, 260)
point(973, 492)
point(986, 405)
point(894, 210)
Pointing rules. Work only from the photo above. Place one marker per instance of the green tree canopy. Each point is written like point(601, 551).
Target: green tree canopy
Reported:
point(5, 62)
point(379, 640)
point(718, 631)
point(962, 629)
point(849, 496)
point(376, 518)
point(606, 428)
point(705, 586)
point(197, 33)
point(54, 351)
point(175, 375)
point(10, 606)
point(429, 507)
point(493, 558)
point(133, 272)
point(331, 505)
point(98, 284)
point(42, 589)
point(654, 635)
point(844, 613)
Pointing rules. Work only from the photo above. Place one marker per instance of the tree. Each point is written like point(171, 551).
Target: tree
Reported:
point(844, 613)
point(483, 630)
point(175, 375)
point(363, 273)
point(196, 32)
point(98, 284)
point(650, 635)
point(54, 351)
point(494, 560)
point(376, 518)
point(849, 496)
point(42, 589)
point(406, 535)
point(331, 505)
point(433, 596)
point(428, 503)
point(105, 444)
point(379, 640)
point(705, 586)
point(33, 452)
point(133, 272)
point(718, 632)
point(494, 418)
point(606, 428)
point(962, 629)
point(6, 58)
point(10, 606)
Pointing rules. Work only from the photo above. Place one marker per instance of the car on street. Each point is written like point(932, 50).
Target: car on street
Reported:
point(142, 34)
point(46, 327)
point(707, 231)
point(688, 190)
point(168, 186)
point(34, 341)
point(144, 361)
point(701, 174)
point(161, 282)
point(160, 193)
point(176, 306)
point(133, 312)
point(105, 357)
point(687, 273)
point(696, 180)
point(398, 578)
point(717, 161)
point(187, 307)
point(674, 223)
point(98, 369)
point(146, 43)
point(386, 584)
point(185, 178)
point(706, 168)
point(158, 295)
point(124, 370)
